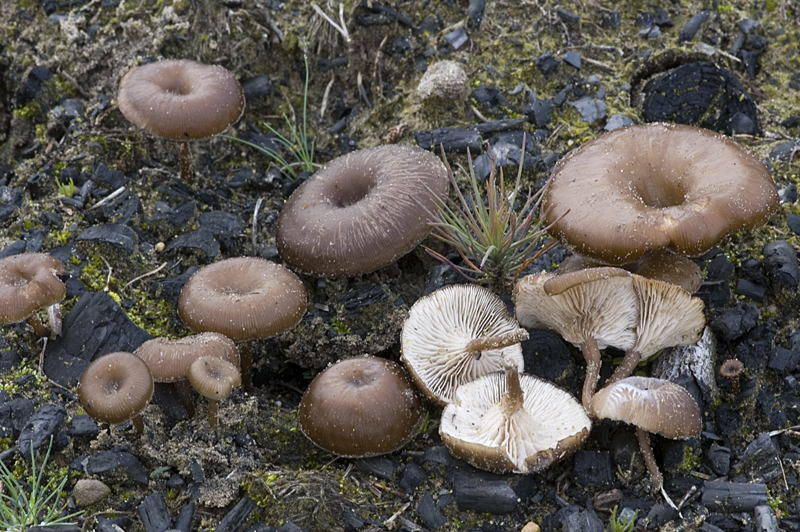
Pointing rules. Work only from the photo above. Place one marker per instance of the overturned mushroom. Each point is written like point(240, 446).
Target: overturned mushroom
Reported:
point(512, 422)
point(653, 187)
point(29, 282)
point(457, 334)
point(654, 406)
point(361, 406)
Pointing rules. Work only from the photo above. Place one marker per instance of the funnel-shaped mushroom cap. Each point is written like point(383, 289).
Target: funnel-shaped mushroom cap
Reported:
point(598, 302)
point(361, 211)
point(657, 186)
point(654, 405)
point(243, 298)
point(169, 359)
point(29, 282)
point(361, 406)
point(455, 335)
point(180, 99)
point(214, 377)
point(115, 387)
point(490, 426)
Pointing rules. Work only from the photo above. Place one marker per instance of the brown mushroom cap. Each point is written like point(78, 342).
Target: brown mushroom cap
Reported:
point(362, 406)
point(29, 282)
point(214, 377)
point(731, 368)
point(513, 422)
point(441, 330)
point(115, 387)
point(243, 298)
point(656, 186)
point(169, 359)
point(361, 211)
point(654, 405)
point(180, 99)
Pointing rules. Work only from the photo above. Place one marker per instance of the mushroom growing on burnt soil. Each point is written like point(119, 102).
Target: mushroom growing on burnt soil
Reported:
point(29, 282)
point(215, 379)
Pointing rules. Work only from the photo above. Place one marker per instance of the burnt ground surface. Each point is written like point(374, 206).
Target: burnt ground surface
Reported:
point(562, 71)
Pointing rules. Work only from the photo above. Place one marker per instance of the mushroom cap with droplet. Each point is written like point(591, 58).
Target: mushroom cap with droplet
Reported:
point(438, 329)
point(361, 406)
point(29, 282)
point(115, 387)
point(169, 358)
point(655, 405)
point(243, 298)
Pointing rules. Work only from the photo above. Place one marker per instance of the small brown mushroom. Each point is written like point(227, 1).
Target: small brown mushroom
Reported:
point(115, 388)
point(457, 334)
point(182, 100)
point(512, 422)
point(656, 186)
point(169, 359)
point(215, 379)
point(359, 407)
point(29, 282)
point(731, 369)
point(243, 298)
point(653, 406)
point(361, 211)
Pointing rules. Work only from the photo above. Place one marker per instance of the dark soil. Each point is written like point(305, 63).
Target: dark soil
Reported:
point(60, 64)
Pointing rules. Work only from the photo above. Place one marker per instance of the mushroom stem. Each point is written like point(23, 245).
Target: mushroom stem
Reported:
point(185, 160)
point(54, 320)
point(38, 326)
point(478, 345)
point(649, 459)
point(625, 369)
point(184, 390)
point(514, 398)
point(138, 424)
point(213, 415)
point(246, 361)
point(591, 353)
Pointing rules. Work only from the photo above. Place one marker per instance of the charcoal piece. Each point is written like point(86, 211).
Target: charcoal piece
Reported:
point(170, 289)
point(733, 323)
point(452, 140)
point(154, 514)
point(793, 221)
point(783, 359)
point(351, 521)
point(573, 59)
point(612, 20)
point(755, 347)
point(197, 473)
point(14, 248)
point(184, 520)
point(625, 453)
point(645, 20)
point(718, 459)
point(780, 265)
point(506, 153)
point(178, 216)
point(660, 515)
point(41, 426)
point(10, 199)
point(429, 512)
point(490, 98)
point(699, 94)
point(260, 527)
point(413, 477)
point(782, 150)
point(116, 235)
point(751, 290)
point(482, 491)
point(104, 461)
point(590, 108)
point(540, 111)
point(234, 519)
point(617, 121)
point(567, 16)
point(547, 63)
point(201, 240)
point(113, 178)
point(457, 38)
point(546, 355)
point(380, 466)
point(31, 85)
point(438, 454)
point(692, 25)
point(221, 223)
point(761, 460)
point(475, 12)
point(765, 520)
point(54, 528)
point(582, 521)
point(741, 124)
point(83, 426)
point(592, 468)
point(497, 126)
point(255, 88)
point(662, 18)
point(288, 526)
point(363, 296)
point(733, 496)
point(750, 60)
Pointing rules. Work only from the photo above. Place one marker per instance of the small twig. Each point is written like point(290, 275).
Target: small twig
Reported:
point(108, 198)
point(41, 357)
point(75, 84)
point(478, 113)
point(686, 497)
point(375, 69)
point(341, 29)
point(362, 90)
point(599, 64)
point(325, 97)
point(397, 514)
point(255, 223)
point(143, 276)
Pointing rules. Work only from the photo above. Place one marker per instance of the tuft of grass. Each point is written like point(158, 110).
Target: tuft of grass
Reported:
point(620, 524)
point(296, 144)
point(495, 241)
point(66, 189)
point(21, 508)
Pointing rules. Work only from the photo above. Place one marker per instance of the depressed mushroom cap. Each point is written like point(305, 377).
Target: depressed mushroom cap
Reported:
point(656, 186)
point(214, 377)
point(731, 368)
point(362, 211)
point(597, 302)
point(550, 425)
point(115, 387)
point(180, 99)
point(28, 282)
point(243, 298)
point(436, 333)
point(169, 358)
point(361, 406)
point(655, 405)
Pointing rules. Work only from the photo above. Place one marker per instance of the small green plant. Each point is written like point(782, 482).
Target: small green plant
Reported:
point(66, 189)
point(495, 242)
point(296, 143)
point(620, 524)
point(40, 506)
